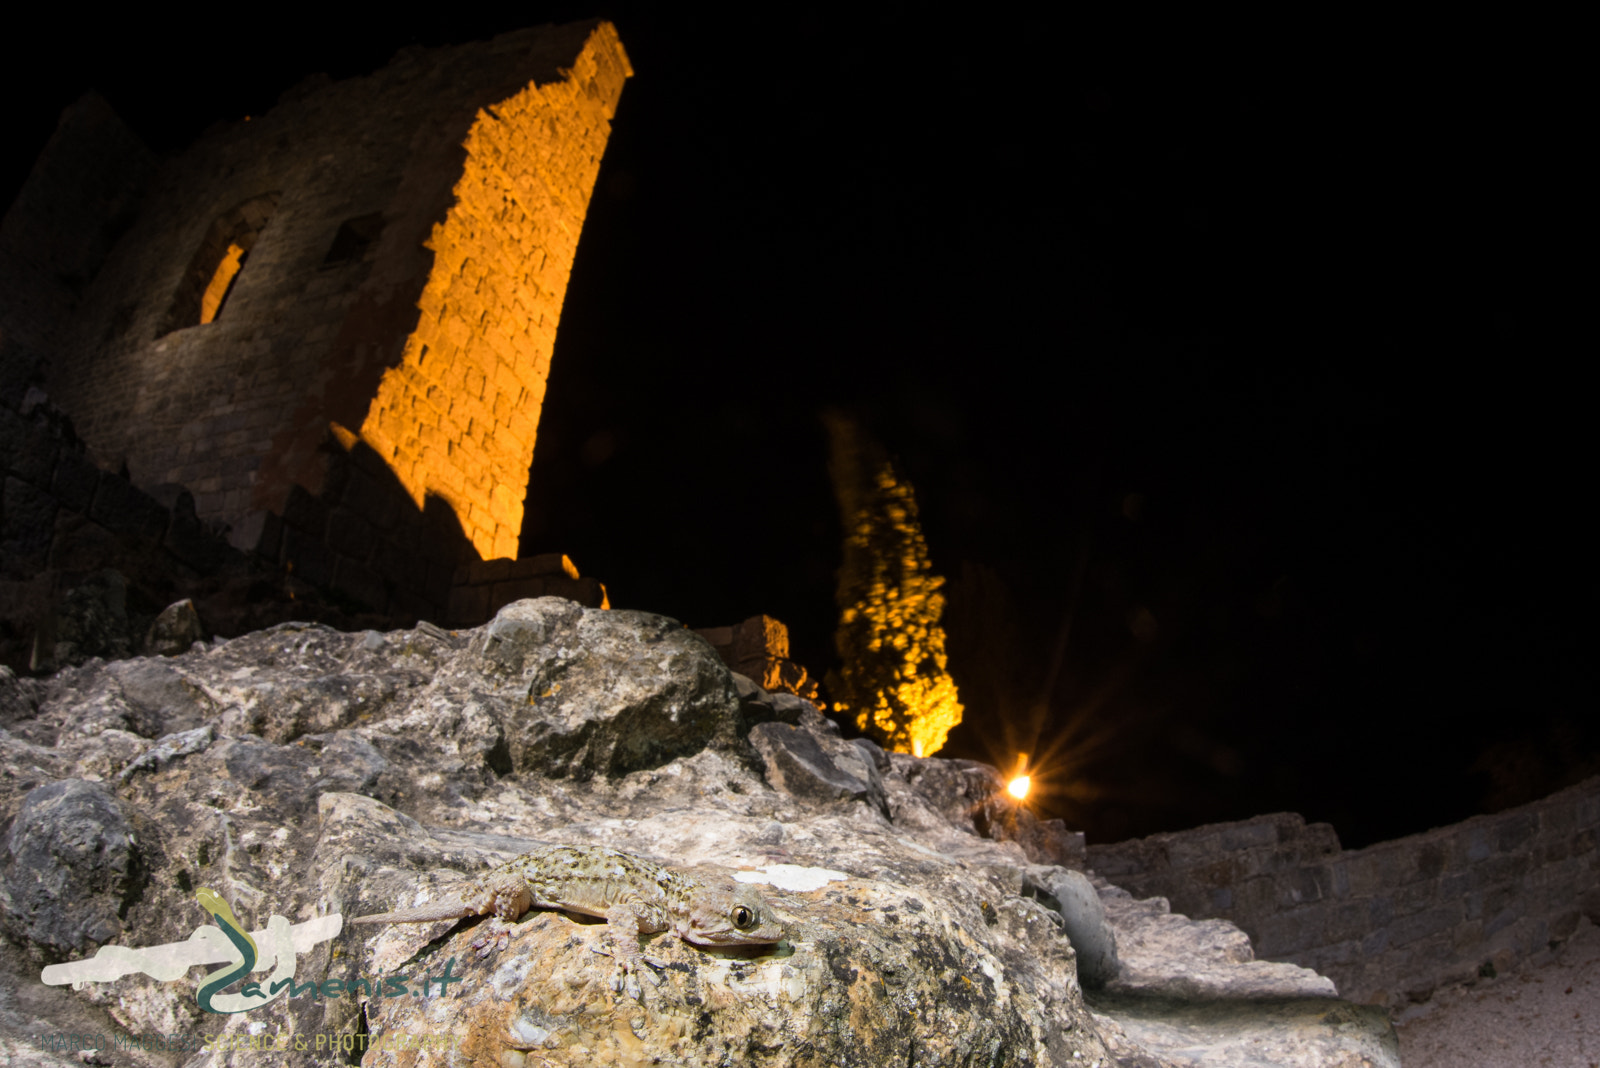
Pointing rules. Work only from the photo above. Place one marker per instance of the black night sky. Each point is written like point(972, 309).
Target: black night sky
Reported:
point(1237, 395)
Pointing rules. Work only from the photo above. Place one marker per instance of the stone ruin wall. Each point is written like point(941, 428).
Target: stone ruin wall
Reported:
point(1394, 921)
point(362, 410)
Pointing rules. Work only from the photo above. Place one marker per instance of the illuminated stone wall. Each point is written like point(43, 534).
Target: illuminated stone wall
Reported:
point(359, 401)
point(458, 417)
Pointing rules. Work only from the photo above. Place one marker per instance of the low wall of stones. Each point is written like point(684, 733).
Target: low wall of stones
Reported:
point(758, 649)
point(1391, 922)
point(484, 587)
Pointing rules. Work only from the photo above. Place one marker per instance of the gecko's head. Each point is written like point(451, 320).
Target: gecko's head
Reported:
point(736, 917)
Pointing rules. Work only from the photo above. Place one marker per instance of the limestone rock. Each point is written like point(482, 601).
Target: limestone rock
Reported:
point(300, 771)
point(1087, 926)
point(70, 864)
point(1223, 1007)
point(174, 630)
point(582, 691)
point(809, 761)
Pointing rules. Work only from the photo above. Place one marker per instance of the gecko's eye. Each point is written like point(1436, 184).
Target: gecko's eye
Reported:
point(743, 917)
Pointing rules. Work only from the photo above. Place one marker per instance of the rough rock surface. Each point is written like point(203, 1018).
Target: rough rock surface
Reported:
point(300, 771)
point(1224, 1006)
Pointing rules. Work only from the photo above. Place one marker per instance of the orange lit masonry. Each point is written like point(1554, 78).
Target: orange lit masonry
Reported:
point(457, 418)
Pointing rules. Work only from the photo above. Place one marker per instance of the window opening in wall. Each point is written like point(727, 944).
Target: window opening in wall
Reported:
point(215, 269)
point(216, 293)
point(354, 238)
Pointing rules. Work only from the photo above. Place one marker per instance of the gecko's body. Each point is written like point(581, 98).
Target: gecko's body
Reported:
point(635, 896)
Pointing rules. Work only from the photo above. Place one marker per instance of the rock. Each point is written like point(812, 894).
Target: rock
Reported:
point(71, 864)
point(160, 699)
point(174, 630)
point(809, 764)
point(602, 691)
point(89, 620)
point(1087, 927)
point(1222, 1006)
point(300, 771)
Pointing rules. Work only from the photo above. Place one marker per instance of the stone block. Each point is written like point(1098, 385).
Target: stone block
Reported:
point(1514, 831)
point(27, 519)
point(545, 564)
point(503, 593)
point(1505, 867)
point(468, 606)
point(190, 542)
point(1347, 921)
point(369, 497)
point(407, 607)
point(1303, 886)
point(436, 585)
point(361, 583)
point(1430, 859)
point(1253, 834)
point(1414, 897)
point(1557, 820)
point(121, 507)
point(75, 480)
point(1192, 849)
point(28, 451)
point(259, 532)
point(1441, 917)
point(719, 638)
point(487, 571)
point(305, 513)
point(350, 535)
point(307, 557)
point(759, 637)
point(399, 567)
point(1287, 933)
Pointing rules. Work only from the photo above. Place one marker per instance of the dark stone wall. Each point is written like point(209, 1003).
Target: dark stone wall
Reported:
point(1391, 922)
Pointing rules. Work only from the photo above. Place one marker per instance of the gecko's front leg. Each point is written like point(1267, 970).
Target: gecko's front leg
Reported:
point(625, 921)
point(503, 894)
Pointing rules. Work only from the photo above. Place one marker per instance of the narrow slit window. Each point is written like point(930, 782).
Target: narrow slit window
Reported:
point(216, 293)
point(216, 266)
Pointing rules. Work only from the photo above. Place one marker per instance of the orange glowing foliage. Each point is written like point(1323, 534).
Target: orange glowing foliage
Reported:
point(895, 678)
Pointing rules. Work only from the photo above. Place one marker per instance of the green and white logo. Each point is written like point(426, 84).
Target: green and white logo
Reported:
point(242, 952)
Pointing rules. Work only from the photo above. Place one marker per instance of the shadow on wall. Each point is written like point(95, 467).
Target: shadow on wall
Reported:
point(88, 560)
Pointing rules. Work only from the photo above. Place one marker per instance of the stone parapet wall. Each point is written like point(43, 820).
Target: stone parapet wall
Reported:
point(484, 587)
point(1395, 920)
point(758, 649)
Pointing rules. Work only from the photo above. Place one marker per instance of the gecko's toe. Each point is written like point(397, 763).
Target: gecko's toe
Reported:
point(491, 942)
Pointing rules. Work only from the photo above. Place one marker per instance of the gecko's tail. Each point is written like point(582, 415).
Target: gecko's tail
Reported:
point(450, 910)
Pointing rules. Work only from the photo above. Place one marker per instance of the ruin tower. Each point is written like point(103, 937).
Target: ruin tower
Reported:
point(331, 323)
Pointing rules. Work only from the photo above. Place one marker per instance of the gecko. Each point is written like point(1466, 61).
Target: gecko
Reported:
point(633, 895)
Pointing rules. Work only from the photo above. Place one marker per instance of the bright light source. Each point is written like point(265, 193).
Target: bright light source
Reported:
point(1019, 786)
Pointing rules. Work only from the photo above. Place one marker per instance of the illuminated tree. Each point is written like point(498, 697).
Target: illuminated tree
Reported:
point(894, 681)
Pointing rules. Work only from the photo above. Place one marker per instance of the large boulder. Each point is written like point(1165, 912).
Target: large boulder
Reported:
point(70, 866)
point(302, 772)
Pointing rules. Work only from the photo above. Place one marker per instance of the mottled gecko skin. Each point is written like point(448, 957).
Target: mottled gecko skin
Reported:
point(635, 896)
